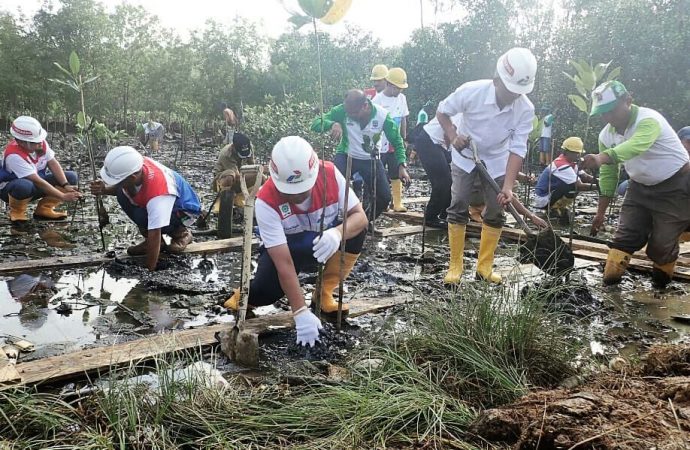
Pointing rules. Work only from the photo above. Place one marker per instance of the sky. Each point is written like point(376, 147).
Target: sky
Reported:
point(391, 21)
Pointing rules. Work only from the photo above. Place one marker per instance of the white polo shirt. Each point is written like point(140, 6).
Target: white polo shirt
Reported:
point(496, 132)
point(397, 108)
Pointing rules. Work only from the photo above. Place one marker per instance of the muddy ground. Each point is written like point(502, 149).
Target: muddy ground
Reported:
point(65, 310)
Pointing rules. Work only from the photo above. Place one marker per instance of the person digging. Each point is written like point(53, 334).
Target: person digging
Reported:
point(31, 171)
point(226, 172)
point(558, 183)
point(157, 199)
point(289, 208)
point(497, 116)
point(655, 208)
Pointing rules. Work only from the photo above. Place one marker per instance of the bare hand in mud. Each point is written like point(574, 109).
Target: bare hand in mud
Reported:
point(70, 188)
point(97, 187)
point(71, 196)
point(163, 264)
point(597, 224)
point(336, 131)
point(539, 222)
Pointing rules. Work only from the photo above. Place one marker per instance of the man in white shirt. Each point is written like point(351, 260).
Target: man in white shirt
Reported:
point(289, 209)
point(153, 134)
point(497, 116)
point(394, 101)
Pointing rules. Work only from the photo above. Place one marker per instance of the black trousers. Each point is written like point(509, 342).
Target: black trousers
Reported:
point(363, 182)
point(265, 287)
point(436, 162)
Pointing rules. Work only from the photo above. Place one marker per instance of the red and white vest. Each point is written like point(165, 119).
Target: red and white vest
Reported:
point(293, 219)
point(158, 180)
point(40, 162)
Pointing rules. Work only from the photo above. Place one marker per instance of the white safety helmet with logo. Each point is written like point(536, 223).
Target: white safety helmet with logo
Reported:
point(517, 69)
point(120, 163)
point(294, 165)
point(25, 128)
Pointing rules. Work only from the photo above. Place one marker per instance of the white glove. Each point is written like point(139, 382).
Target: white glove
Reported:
point(327, 245)
point(308, 326)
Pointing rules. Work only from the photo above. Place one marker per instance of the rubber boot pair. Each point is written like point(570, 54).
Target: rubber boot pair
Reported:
point(396, 192)
point(331, 278)
point(487, 247)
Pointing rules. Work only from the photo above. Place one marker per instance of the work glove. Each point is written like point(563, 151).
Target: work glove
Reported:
point(326, 245)
point(307, 326)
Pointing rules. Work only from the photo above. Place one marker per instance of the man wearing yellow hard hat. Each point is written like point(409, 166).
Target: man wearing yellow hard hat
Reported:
point(378, 76)
point(560, 180)
point(394, 101)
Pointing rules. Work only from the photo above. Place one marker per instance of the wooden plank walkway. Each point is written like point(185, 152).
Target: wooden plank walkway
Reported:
point(102, 359)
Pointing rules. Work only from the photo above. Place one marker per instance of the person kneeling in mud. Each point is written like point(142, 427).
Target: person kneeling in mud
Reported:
point(558, 183)
point(155, 197)
point(31, 171)
point(226, 173)
point(289, 207)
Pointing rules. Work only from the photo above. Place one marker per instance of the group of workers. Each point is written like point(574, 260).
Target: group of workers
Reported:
point(493, 115)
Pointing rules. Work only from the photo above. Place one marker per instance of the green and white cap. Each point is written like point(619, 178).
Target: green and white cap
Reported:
point(605, 97)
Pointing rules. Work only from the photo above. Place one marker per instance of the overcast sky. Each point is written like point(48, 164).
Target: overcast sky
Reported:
point(392, 21)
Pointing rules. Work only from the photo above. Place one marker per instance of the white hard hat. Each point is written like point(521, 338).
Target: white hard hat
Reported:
point(28, 129)
point(120, 163)
point(294, 165)
point(517, 68)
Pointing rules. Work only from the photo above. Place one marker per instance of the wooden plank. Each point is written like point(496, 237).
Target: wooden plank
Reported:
point(412, 200)
point(84, 362)
point(57, 262)
point(401, 231)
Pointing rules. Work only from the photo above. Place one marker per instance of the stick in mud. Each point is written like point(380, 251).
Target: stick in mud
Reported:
point(348, 173)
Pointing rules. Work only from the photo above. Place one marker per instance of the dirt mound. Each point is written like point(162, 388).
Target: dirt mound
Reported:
point(614, 411)
point(665, 360)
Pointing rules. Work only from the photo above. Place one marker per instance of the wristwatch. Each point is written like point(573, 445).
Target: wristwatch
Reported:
point(403, 165)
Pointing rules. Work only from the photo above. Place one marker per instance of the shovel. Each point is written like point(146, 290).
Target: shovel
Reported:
point(244, 345)
point(544, 249)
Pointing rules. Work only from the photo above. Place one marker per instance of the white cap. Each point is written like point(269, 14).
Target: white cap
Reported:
point(28, 129)
point(120, 163)
point(517, 69)
point(294, 165)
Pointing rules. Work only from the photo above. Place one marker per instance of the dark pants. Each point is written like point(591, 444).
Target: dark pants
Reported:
point(655, 216)
point(141, 217)
point(390, 162)
point(361, 169)
point(265, 287)
point(564, 190)
point(436, 162)
point(23, 188)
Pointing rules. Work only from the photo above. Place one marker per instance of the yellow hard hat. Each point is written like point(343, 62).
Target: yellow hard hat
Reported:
point(379, 72)
point(573, 144)
point(397, 77)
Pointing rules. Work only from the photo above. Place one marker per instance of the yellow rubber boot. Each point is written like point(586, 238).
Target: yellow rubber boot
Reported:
point(396, 192)
point(46, 209)
point(233, 303)
point(456, 240)
point(662, 274)
point(331, 279)
point(18, 210)
point(238, 201)
point(487, 248)
point(616, 263)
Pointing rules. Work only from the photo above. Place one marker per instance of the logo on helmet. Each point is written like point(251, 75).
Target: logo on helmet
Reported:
point(508, 67)
point(524, 81)
point(274, 168)
point(312, 160)
point(295, 178)
point(20, 131)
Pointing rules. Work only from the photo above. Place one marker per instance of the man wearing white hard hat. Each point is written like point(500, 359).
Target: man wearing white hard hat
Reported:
point(155, 197)
point(497, 115)
point(394, 101)
point(655, 209)
point(289, 207)
point(29, 170)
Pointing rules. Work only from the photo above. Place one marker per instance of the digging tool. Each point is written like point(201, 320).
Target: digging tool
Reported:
point(546, 250)
point(244, 346)
point(202, 221)
point(348, 173)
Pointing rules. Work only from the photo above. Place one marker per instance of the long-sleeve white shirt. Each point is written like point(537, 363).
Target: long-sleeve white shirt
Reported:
point(496, 132)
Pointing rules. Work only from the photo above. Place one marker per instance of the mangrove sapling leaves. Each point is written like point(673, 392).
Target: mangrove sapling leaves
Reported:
point(74, 64)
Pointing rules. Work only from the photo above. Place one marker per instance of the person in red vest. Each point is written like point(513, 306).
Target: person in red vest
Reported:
point(155, 197)
point(289, 210)
point(30, 171)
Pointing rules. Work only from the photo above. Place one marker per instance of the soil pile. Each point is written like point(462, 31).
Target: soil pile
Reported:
point(614, 411)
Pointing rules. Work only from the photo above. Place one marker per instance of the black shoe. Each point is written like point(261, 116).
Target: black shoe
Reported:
point(436, 223)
